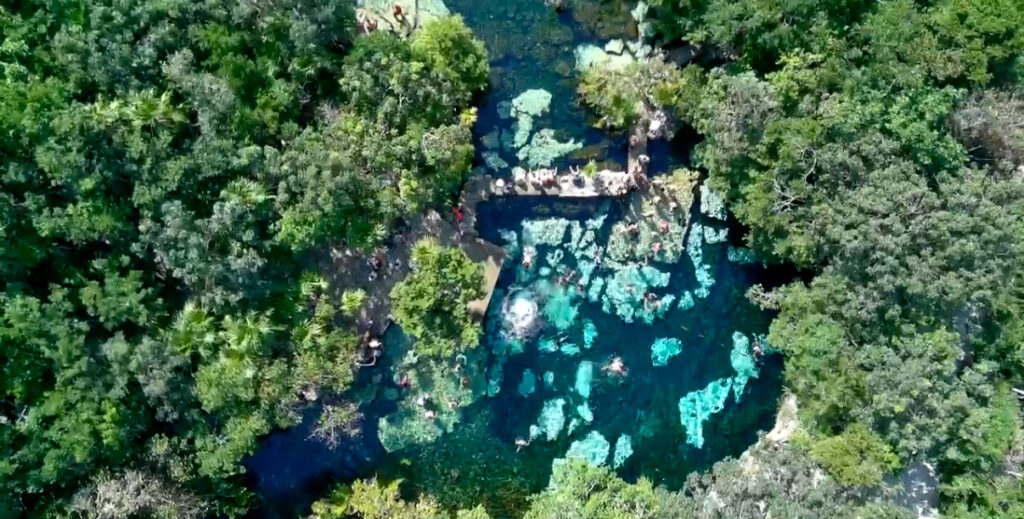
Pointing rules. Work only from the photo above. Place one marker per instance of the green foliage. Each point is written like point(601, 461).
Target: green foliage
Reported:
point(988, 497)
point(374, 500)
point(161, 165)
point(855, 457)
point(870, 143)
point(431, 303)
point(448, 47)
point(580, 490)
point(776, 480)
point(987, 435)
point(621, 96)
point(957, 40)
point(352, 301)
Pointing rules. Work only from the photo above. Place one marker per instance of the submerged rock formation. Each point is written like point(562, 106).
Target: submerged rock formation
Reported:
point(655, 222)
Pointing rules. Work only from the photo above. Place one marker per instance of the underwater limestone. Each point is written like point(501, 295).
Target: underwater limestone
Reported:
point(589, 55)
point(492, 140)
point(664, 349)
point(545, 231)
point(494, 161)
point(549, 379)
point(697, 406)
point(626, 291)
point(406, 427)
point(506, 340)
point(594, 292)
point(555, 257)
point(589, 333)
point(686, 301)
point(585, 268)
point(505, 345)
point(505, 109)
point(511, 240)
point(573, 424)
point(711, 203)
point(570, 349)
point(552, 418)
point(531, 103)
point(654, 277)
point(742, 255)
point(528, 384)
point(714, 235)
point(584, 378)
point(535, 432)
point(623, 450)
point(543, 149)
point(547, 345)
point(580, 238)
point(495, 376)
point(521, 130)
point(655, 221)
point(593, 449)
point(436, 393)
point(596, 222)
point(695, 249)
point(742, 362)
point(705, 280)
point(434, 410)
point(584, 411)
point(524, 108)
point(656, 308)
point(561, 308)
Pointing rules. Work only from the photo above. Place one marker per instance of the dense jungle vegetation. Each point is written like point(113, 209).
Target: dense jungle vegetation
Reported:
point(167, 169)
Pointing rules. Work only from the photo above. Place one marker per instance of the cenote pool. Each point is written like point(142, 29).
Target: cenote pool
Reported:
point(567, 364)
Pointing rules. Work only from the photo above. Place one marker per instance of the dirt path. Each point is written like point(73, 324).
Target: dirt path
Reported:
point(349, 269)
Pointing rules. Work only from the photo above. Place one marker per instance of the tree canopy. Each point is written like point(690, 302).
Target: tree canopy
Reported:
point(868, 143)
point(431, 304)
point(165, 168)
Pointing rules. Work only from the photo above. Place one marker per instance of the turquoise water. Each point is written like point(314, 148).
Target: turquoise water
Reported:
point(643, 403)
point(532, 47)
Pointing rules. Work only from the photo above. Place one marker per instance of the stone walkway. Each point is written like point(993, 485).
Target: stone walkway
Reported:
point(350, 269)
point(548, 182)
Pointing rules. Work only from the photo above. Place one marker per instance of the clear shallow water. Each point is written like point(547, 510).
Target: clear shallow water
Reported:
point(480, 460)
point(531, 47)
point(642, 404)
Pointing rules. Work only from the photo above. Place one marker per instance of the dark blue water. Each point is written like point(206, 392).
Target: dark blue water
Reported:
point(480, 461)
point(532, 46)
point(646, 399)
